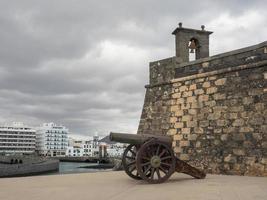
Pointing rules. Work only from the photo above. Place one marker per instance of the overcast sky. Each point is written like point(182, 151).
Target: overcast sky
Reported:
point(84, 64)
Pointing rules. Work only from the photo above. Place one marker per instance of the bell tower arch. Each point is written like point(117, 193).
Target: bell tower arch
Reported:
point(191, 41)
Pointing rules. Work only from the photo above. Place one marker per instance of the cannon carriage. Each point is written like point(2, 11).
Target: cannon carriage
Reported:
point(151, 158)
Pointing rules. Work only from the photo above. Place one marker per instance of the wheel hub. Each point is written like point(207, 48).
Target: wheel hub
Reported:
point(155, 161)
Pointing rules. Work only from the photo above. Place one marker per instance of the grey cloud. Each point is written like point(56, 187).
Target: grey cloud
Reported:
point(85, 63)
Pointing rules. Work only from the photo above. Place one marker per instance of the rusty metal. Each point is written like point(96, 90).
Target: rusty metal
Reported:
point(151, 158)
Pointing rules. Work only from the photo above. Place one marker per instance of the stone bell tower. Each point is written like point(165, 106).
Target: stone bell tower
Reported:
point(191, 41)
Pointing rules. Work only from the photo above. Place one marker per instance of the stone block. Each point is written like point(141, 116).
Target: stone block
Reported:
point(176, 95)
point(220, 81)
point(184, 157)
point(173, 119)
point(185, 106)
point(256, 119)
point(222, 122)
point(204, 123)
point(184, 143)
point(179, 125)
point(257, 136)
point(205, 64)
point(230, 130)
point(224, 137)
point(239, 137)
point(250, 160)
point(197, 104)
point(210, 103)
point(203, 98)
point(193, 87)
point(191, 99)
point(183, 88)
point(198, 130)
point(175, 108)
point(232, 115)
point(256, 91)
point(217, 130)
point(263, 128)
point(199, 80)
point(192, 137)
point(212, 78)
point(230, 159)
point(187, 94)
point(264, 145)
point(198, 144)
point(199, 92)
point(255, 76)
point(206, 84)
point(211, 90)
point(180, 101)
point(259, 106)
point(244, 115)
point(172, 132)
point(214, 116)
point(247, 100)
point(192, 111)
point(238, 122)
point(177, 84)
point(246, 129)
point(205, 110)
point(186, 118)
point(219, 96)
point(191, 123)
point(177, 137)
point(177, 149)
point(185, 131)
point(236, 108)
point(239, 152)
point(179, 113)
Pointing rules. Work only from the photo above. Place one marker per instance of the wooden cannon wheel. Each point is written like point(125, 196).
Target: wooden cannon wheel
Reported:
point(155, 161)
point(129, 161)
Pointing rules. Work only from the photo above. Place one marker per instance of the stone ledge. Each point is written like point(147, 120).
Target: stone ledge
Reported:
point(215, 72)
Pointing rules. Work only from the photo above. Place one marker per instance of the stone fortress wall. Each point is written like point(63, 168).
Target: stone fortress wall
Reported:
point(215, 108)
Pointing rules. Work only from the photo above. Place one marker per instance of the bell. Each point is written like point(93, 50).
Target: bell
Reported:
point(192, 46)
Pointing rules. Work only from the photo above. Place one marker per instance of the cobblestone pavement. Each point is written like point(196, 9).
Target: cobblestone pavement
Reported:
point(117, 186)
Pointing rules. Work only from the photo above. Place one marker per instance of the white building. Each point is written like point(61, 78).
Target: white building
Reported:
point(51, 139)
point(88, 148)
point(115, 150)
point(73, 151)
point(17, 138)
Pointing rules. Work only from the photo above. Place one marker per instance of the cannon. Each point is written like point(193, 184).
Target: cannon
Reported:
point(151, 158)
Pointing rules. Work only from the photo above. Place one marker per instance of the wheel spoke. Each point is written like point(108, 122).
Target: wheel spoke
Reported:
point(166, 164)
point(130, 163)
point(131, 170)
point(157, 152)
point(152, 173)
point(132, 152)
point(149, 167)
point(130, 157)
point(157, 170)
point(162, 153)
point(145, 158)
point(164, 171)
point(144, 164)
point(165, 158)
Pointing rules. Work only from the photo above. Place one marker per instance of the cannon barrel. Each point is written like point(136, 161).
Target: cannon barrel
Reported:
point(137, 138)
